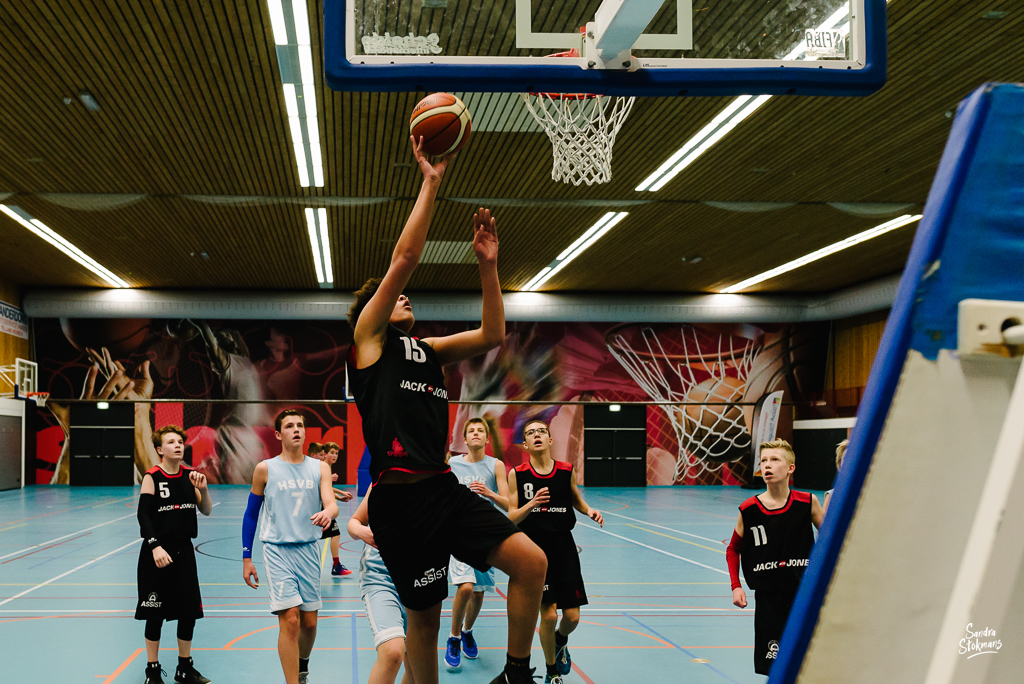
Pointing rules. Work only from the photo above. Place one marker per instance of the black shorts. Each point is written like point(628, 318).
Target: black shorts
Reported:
point(170, 592)
point(419, 526)
point(563, 584)
point(332, 531)
point(771, 610)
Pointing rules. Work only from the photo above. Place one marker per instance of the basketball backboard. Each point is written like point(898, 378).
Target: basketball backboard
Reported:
point(626, 47)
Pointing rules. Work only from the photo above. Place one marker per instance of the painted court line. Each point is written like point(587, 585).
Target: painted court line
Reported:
point(125, 664)
point(669, 536)
point(71, 534)
point(654, 548)
point(692, 655)
point(65, 574)
point(662, 527)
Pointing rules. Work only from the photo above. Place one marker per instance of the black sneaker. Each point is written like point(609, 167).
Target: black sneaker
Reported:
point(154, 675)
point(521, 677)
point(188, 674)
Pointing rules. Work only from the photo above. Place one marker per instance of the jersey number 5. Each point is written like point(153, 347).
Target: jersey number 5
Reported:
point(759, 535)
point(165, 490)
point(413, 351)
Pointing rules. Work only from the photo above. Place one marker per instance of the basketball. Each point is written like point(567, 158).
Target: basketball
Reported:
point(121, 336)
point(716, 427)
point(443, 122)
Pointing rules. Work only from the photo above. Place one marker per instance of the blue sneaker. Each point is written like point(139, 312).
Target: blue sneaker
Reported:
point(562, 660)
point(469, 645)
point(451, 654)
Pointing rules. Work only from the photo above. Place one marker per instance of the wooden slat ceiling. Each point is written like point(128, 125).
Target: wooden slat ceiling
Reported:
point(192, 123)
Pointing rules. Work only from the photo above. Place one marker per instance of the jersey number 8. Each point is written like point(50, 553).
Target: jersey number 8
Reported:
point(528, 490)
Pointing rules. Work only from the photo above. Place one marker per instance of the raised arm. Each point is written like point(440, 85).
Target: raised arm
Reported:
point(580, 505)
point(368, 336)
point(491, 333)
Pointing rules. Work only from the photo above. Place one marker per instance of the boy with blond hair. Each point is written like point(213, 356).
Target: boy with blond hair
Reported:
point(773, 541)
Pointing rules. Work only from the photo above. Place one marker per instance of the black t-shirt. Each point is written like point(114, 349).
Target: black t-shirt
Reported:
point(557, 515)
point(174, 513)
point(776, 543)
point(403, 403)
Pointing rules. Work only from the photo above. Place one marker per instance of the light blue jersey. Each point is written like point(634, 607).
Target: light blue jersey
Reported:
point(291, 498)
point(481, 471)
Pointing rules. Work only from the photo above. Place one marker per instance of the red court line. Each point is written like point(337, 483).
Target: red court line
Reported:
point(500, 593)
point(46, 547)
point(121, 669)
point(580, 672)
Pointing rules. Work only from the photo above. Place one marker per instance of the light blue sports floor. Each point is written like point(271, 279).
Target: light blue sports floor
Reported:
point(660, 604)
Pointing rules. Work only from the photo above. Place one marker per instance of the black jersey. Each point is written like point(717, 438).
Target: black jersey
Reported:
point(776, 543)
point(174, 513)
point(404, 406)
point(555, 516)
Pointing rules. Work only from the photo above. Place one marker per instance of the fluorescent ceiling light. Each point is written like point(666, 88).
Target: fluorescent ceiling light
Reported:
point(824, 252)
point(46, 233)
point(589, 237)
point(325, 245)
point(302, 118)
point(301, 22)
point(738, 110)
point(319, 242)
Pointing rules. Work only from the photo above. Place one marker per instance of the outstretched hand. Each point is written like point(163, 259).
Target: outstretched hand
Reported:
point(485, 237)
point(431, 172)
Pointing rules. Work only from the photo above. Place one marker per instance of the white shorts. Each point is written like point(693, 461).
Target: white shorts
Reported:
point(384, 610)
point(462, 573)
point(293, 576)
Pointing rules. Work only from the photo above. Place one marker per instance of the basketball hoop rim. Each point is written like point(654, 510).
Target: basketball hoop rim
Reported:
point(566, 96)
point(38, 397)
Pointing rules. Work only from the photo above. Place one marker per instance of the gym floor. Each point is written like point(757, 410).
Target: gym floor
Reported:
point(660, 604)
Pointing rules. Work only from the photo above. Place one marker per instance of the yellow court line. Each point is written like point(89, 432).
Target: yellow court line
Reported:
point(323, 554)
point(4, 529)
point(685, 541)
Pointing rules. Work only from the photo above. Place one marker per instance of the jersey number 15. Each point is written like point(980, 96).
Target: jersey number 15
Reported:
point(413, 352)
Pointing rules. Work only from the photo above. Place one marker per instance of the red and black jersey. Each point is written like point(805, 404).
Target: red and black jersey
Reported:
point(555, 516)
point(174, 512)
point(776, 543)
point(404, 406)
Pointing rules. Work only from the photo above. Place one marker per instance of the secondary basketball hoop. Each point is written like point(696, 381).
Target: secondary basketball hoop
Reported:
point(39, 397)
point(582, 129)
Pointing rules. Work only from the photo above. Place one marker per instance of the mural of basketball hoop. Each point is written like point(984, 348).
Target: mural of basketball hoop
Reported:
point(704, 367)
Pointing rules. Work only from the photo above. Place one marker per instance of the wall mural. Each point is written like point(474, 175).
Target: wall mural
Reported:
point(707, 366)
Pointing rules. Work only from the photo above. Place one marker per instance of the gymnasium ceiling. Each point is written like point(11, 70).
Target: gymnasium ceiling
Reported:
point(190, 153)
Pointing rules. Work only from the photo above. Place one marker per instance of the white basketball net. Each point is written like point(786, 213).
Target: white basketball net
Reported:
point(582, 132)
point(704, 433)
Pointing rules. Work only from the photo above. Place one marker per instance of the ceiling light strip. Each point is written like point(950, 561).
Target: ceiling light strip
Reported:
point(314, 244)
point(290, 22)
point(878, 230)
point(589, 237)
point(325, 245)
point(733, 114)
point(47, 234)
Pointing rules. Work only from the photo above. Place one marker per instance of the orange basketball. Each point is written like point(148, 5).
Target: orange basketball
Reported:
point(443, 122)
